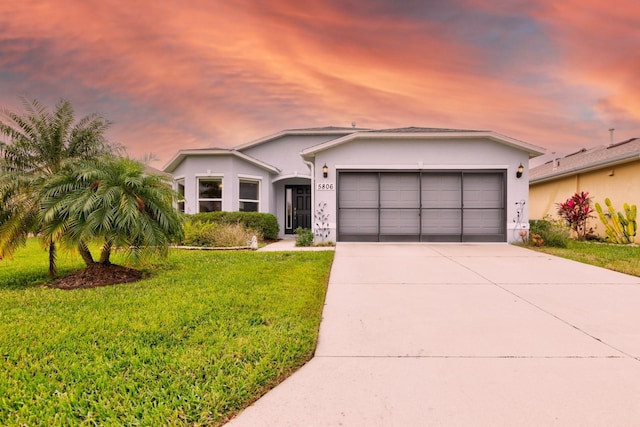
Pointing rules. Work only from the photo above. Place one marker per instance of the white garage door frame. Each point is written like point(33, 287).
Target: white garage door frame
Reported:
point(467, 205)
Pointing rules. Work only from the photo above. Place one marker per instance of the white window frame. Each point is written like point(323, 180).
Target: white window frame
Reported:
point(253, 180)
point(178, 181)
point(208, 177)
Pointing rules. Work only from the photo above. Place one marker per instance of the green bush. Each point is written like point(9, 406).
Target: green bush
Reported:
point(304, 237)
point(553, 232)
point(198, 233)
point(265, 223)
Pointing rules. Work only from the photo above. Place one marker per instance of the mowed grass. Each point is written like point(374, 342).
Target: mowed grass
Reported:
point(202, 338)
point(621, 258)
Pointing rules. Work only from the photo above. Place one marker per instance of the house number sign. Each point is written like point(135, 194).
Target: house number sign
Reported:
point(325, 186)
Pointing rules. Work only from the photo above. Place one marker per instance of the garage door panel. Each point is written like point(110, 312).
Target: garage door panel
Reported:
point(483, 221)
point(400, 222)
point(359, 221)
point(399, 190)
point(358, 190)
point(483, 190)
point(441, 190)
point(442, 221)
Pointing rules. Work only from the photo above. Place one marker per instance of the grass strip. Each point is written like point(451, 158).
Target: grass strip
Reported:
point(621, 258)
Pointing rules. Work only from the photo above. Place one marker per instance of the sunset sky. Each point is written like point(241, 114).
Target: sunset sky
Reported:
point(204, 73)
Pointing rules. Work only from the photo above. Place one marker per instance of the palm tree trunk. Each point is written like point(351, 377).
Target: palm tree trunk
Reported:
point(52, 259)
point(85, 254)
point(105, 254)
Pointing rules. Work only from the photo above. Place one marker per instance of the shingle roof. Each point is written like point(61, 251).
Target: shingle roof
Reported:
point(587, 159)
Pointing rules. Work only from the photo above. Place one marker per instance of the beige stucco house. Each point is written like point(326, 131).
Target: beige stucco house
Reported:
point(605, 171)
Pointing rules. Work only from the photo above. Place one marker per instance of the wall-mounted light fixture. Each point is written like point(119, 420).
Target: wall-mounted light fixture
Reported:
point(520, 171)
point(325, 171)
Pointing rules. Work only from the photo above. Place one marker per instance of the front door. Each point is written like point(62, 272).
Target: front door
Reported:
point(297, 207)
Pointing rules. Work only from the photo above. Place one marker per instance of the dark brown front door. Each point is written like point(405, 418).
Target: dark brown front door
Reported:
point(297, 207)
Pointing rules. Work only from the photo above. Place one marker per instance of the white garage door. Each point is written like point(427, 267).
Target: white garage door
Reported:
point(422, 206)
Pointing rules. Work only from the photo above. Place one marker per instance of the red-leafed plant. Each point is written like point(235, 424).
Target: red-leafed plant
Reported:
point(576, 211)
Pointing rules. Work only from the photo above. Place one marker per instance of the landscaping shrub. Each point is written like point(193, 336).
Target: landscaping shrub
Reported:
point(552, 232)
point(619, 227)
point(265, 223)
point(576, 211)
point(198, 233)
point(228, 235)
point(304, 237)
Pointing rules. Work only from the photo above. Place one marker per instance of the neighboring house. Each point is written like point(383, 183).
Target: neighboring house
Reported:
point(604, 172)
point(409, 184)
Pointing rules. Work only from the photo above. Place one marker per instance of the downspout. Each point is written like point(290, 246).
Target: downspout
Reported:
point(312, 167)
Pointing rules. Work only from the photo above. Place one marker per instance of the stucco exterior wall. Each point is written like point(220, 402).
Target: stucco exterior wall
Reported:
point(620, 183)
point(420, 154)
point(284, 152)
point(543, 197)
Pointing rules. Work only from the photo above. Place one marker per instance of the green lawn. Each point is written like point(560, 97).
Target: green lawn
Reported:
point(203, 337)
point(622, 258)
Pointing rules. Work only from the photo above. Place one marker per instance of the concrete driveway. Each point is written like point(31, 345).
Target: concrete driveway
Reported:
point(466, 335)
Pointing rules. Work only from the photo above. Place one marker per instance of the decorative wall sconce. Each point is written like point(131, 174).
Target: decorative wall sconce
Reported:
point(520, 171)
point(325, 171)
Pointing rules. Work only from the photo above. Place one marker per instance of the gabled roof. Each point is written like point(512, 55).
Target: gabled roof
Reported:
point(586, 160)
point(180, 156)
point(424, 133)
point(329, 130)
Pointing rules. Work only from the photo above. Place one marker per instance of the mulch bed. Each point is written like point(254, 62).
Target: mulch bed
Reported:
point(96, 275)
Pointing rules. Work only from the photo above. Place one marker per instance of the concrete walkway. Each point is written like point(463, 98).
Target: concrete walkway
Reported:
point(466, 335)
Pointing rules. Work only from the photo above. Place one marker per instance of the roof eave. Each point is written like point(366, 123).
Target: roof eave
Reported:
point(533, 150)
point(256, 162)
point(182, 154)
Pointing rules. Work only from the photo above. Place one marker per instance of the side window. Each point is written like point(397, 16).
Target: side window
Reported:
point(249, 200)
point(180, 190)
point(209, 194)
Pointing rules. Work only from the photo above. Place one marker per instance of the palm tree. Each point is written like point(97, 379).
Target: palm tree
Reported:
point(112, 202)
point(40, 144)
point(18, 211)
